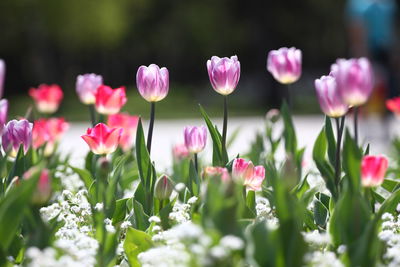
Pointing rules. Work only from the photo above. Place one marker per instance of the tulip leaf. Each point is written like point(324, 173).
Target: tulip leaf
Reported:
point(143, 157)
point(330, 137)
point(141, 218)
point(120, 211)
point(19, 165)
point(352, 161)
point(389, 205)
point(136, 241)
point(288, 130)
point(85, 176)
point(320, 213)
point(390, 184)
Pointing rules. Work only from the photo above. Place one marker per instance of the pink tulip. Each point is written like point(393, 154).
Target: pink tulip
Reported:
point(47, 97)
point(244, 172)
point(15, 134)
point(354, 79)
point(373, 169)
point(152, 82)
point(102, 139)
point(43, 190)
point(129, 124)
point(109, 101)
point(224, 74)
point(285, 64)
point(218, 172)
point(394, 105)
point(86, 87)
point(3, 113)
point(329, 97)
point(49, 132)
point(195, 138)
point(2, 76)
point(180, 152)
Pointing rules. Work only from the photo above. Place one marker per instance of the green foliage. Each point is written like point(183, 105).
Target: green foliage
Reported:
point(136, 241)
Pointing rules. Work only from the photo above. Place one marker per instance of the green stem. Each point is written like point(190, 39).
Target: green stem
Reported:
point(356, 125)
point(196, 163)
point(92, 114)
point(225, 125)
point(339, 127)
point(151, 125)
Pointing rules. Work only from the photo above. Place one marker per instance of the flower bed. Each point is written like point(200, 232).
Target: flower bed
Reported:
point(250, 210)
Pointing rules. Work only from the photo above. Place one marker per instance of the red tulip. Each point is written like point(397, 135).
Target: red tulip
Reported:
point(49, 132)
point(102, 139)
point(109, 101)
point(394, 105)
point(47, 97)
point(373, 169)
point(129, 124)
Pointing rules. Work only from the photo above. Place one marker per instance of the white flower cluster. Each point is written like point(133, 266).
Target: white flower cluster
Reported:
point(181, 211)
point(322, 259)
point(74, 238)
point(265, 212)
point(317, 239)
point(390, 235)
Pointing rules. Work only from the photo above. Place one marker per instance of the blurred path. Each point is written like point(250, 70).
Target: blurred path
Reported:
point(169, 132)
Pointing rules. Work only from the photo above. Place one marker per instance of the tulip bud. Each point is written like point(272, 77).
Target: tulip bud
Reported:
point(2, 76)
point(329, 97)
point(47, 97)
point(109, 101)
point(163, 188)
point(43, 190)
point(373, 169)
point(86, 87)
point(394, 105)
point(354, 79)
point(101, 139)
point(273, 115)
point(3, 113)
point(15, 134)
point(245, 172)
point(224, 74)
point(152, 82)
point(285, 64)
point(216, 172)
point(195, 138)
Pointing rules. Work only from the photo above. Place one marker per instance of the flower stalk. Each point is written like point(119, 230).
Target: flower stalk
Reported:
point(151, 125)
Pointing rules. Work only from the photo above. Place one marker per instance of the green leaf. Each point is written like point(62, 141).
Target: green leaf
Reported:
point(389, 205)
point(352, 162)
point(288, 131)
point(19, 165)
point(143, 157)
point(330, 137)
point(194, 184)
point(85, 176)
point(390, 184)
point(320, 213)
point(141, 218)
point(120, 210)
point(136, 242)
point(12, 208)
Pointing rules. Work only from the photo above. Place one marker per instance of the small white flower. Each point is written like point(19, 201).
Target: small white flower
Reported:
point(192, 200)
point(218, 252)
point(232, 242)
point(154, 219)
point(99, 206)
point(180, 187)
point(125, 225)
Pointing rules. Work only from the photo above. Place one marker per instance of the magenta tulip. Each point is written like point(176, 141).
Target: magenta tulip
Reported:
point(354, 79)
point(285, 64)
point(15, 134)
point(3, 113)
point(329, 97)
point(224, 74)
point(373, 169)
point(195, 138)
point(101, 139)
point(152, 82)
point(2, 76)
point(86, 87)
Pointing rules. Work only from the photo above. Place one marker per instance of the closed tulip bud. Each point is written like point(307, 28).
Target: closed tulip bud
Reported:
point(373, 169)
point(101, 139)
point(354, 79)
point(394, 105)
point(249, 175)
point(110, 101)
point(195, 138)
point(129, 124)
point(3, 113)
point(152, 82)
point(15, 134)
point(163, 188)
point(2, 76)
point(285, 64)
point(273, 115)
point(329, 97)
point(216, 172)
point(86, 87)
point(224, 74)
point(43, 190)
point(47, 97)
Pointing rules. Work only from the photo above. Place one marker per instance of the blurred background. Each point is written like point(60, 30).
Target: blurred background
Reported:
point(50, 41)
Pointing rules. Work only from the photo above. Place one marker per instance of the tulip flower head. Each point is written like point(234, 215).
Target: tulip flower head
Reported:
point(195, 138)
point(373, 169)
point(224, 74)
point(129, 124)
point(15, 134)
point(245, 172)
point(180, 152)
point(216, 172)
point(101, 139)
point(3, 113)
point(285, 64)
point(47, 97)
point(43, 190)
point(329, 97)
point(49, 132)
point(110, 101)
point(163, 187)
point(152, 82)
point(2, 76)
point(394, 105)
point(86, 87)
point(354, 79)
